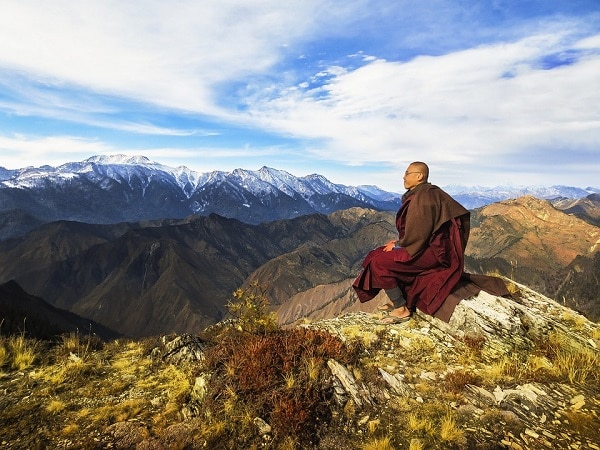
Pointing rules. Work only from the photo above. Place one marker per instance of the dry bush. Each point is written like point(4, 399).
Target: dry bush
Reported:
point(475, 343)
point(254, 372)
point(455, 382)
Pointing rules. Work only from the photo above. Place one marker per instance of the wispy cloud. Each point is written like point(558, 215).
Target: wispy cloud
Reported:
point(481, 106)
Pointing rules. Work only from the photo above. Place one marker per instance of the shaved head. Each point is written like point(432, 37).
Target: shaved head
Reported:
point(419, 166)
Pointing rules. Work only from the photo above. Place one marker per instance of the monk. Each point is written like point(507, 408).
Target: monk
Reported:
point(420, 268)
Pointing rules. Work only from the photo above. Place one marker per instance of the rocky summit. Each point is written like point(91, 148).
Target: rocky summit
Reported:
point(516, 372)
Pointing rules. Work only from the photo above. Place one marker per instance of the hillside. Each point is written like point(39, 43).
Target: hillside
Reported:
point(505, 373)
point(32, 316)
point(148, 278)
point(534, 243)
point(586, 208)
point(142, 280)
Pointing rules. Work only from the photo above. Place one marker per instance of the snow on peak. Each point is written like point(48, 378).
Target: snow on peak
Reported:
point(141, 170)
point(119, 159)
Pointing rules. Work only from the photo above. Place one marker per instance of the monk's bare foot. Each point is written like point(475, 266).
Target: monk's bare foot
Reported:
point(401, 312)
point(398, 315)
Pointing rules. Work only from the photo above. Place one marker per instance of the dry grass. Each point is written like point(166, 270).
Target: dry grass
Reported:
point(449, 431)
point(378, 444)
point(556, 357)
point(4, 355)
point(416, 444)
point(575, 320)
point(356, 332)
point(22, 351)
point(55, 406)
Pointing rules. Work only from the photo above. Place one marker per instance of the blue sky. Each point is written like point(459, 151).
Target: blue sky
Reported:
point(486, 92)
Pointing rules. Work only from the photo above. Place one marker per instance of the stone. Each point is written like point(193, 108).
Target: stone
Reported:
point(263, 427)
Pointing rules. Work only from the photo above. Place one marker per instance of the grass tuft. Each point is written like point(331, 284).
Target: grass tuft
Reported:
point(449, 430)
point(22, 351)
point(378, 444)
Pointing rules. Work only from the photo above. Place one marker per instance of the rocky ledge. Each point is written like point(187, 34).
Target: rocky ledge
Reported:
point(531, 363)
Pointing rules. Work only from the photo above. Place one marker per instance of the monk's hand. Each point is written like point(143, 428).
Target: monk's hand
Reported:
point(388, 247)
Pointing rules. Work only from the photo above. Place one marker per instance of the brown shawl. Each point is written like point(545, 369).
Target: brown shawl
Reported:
point(430, 207)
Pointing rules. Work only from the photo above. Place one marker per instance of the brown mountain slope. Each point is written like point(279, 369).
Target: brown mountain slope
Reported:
point(24, 313)
point(587, 208)
point(314, 280)
point(532, 242)
point(162, 279)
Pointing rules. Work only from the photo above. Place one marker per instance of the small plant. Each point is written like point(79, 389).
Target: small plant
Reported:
point(22, 350)
point(449, 431)
point(475, 344)
point(250, 307)
point(378, 444)
point(456, 381)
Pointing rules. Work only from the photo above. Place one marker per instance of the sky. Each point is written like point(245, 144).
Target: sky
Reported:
point(486, 92)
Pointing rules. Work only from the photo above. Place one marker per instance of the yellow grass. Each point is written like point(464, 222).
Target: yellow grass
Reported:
point(449, 431)
point(378, 444)
point(22, 351)
point(55, 406)
point(313, 368)
point(419, 423)
point(373, 425)
point(416, 444)
point(4, 355)
point(290, 380)
point(70, 429)
point(359, 332)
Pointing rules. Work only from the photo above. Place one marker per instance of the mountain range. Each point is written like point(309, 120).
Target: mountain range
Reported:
point(174, 269)
point(117, 188)
point(141, 279)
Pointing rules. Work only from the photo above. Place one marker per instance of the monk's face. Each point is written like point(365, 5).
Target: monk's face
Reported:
point(412, 177)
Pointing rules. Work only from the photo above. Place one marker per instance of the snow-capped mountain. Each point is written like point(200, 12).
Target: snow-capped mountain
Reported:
point(477, 196)
point(110, 189)
point(118, 188)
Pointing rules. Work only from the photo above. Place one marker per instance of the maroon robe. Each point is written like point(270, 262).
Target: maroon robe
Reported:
point(433, 230)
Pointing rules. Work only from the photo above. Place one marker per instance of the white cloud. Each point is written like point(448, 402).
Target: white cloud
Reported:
point(171, 54)
point(479, 106)
point(48, 150)
point(468, 100)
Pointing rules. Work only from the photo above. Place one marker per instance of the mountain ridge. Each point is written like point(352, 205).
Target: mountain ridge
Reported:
point(132, 189)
